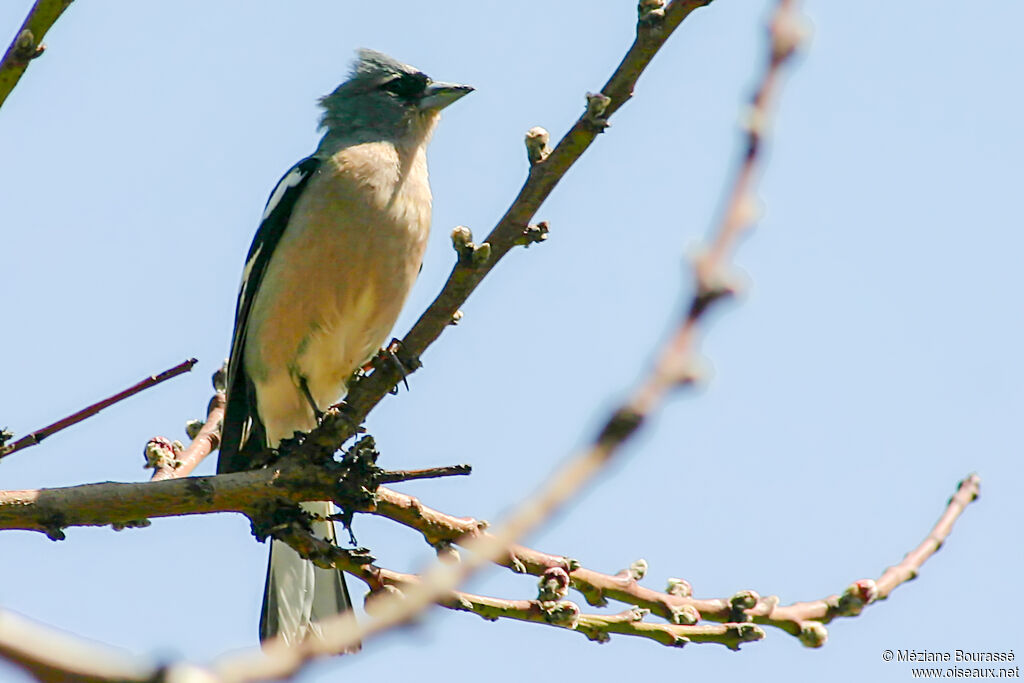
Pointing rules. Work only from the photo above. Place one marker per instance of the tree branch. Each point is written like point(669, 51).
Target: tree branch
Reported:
point(676, 604)
point(255, 493)
point(53, 656)
point(50, 655)
point(597, 627)
point(807, 619)
point(27, 45)
point(428, 473)
point(53, 510)
point(205, 441)
point(73, 419)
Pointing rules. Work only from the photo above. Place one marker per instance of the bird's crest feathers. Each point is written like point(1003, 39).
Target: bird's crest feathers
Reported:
point(377, 66)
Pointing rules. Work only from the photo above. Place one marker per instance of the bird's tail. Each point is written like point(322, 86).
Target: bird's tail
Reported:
point(298, 594)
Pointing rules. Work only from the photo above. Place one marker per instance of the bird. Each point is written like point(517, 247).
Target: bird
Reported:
point(340, 243)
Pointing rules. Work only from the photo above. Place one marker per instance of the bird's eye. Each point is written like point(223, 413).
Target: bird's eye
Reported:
point(407, 86)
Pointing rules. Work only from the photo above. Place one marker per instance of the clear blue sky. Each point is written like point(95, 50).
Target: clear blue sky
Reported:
point(874, 362)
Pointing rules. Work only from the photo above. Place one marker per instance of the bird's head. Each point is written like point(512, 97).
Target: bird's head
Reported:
point(385, 99)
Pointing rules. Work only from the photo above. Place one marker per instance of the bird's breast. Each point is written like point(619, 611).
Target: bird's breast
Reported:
point(341, 273)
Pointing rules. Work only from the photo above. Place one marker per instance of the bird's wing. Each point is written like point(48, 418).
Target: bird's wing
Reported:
point(242, 425)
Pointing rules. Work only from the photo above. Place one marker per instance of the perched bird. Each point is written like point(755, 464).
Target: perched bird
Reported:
point(339, 247)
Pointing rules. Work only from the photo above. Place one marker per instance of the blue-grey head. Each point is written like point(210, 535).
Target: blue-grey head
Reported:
point(385, 99)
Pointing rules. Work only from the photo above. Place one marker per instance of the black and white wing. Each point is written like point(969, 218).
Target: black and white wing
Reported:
point(242, 434)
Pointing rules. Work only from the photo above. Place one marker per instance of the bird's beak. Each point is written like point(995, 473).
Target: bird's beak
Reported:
point(437, 95)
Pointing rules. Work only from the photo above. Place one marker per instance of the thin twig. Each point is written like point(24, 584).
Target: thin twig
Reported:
point(966, 493)
point(40, 434)
point(206, 441)
point(392, 476)
point(27, 44)
point(807, 619)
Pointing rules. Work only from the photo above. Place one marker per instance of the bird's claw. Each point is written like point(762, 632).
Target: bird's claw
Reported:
point(389, 356)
